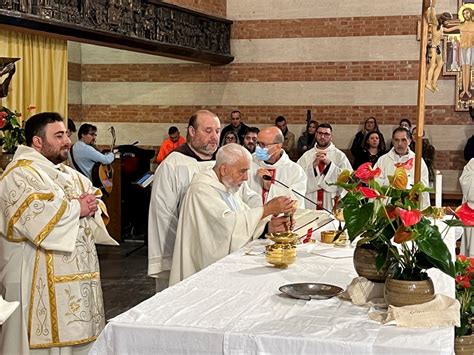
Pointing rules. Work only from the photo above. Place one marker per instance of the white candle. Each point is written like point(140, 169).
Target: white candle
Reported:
point(438, 189)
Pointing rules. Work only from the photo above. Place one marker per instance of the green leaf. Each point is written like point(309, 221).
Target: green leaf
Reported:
point(429, 242)
point(357, 218)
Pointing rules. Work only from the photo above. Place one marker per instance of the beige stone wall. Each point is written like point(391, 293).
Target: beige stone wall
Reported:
point(345, 61)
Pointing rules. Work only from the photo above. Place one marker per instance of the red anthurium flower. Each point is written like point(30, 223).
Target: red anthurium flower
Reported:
point(391, 212)
point(465, 214)
point(402, 235)
point(462, 258)
point(365, 172)
point(3, 119)
point(406, 165)
point(409, 217)
point(463, 281)
point(368, 192)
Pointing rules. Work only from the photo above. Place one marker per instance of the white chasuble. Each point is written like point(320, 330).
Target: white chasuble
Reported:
point(48, 260)
point(213, 222)
point(171, 182)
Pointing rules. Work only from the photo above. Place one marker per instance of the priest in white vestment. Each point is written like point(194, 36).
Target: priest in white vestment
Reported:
point(467, 186)
point(49, 225)
point(272, 161)
point(401, 154)
point(170, 183)
point(322, 165)
point(214, 220)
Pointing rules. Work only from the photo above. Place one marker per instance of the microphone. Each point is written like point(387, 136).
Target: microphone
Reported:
point(269, 178)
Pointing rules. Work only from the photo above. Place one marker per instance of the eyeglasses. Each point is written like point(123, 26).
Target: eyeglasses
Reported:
point(263, 145)
point(324, 134)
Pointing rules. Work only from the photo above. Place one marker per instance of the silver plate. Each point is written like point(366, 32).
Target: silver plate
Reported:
point(311, 291)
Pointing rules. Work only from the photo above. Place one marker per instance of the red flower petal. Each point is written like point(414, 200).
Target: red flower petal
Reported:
point(462, 258)
point(463, 281)
point(406, 165)
point(409, 217)
point(368, 192)
point(366, 173)
point(465, 214)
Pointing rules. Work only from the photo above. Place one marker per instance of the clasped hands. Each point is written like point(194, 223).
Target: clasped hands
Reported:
point(88, 204)
point(321, 157)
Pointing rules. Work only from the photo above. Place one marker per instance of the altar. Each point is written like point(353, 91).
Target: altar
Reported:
point(234, 307)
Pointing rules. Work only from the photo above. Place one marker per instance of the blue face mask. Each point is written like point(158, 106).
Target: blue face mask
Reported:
point(262, 153)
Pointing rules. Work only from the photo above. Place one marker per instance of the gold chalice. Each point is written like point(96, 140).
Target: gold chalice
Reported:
point(283, 252)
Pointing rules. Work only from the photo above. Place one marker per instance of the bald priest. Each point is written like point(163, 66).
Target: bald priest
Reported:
point(214, 221)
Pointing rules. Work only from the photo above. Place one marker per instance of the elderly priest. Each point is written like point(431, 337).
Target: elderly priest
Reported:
point(214, 221)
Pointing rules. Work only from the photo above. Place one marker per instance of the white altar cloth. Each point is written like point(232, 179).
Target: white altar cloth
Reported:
point(234, 307)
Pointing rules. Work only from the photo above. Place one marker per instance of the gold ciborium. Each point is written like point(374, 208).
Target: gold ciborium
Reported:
point(283, 252)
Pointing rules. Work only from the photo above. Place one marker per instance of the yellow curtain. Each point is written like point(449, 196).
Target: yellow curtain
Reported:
point(41, 76)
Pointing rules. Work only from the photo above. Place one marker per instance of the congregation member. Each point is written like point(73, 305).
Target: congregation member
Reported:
point(236, 125)
point(371, 150)
point(427, 152)
point(215, 221)
point(250, 139)
point(467, 186)
point(271, 160)
point(307, 139)
point(405, 123)
point(357, 147)
point(71, 128)
point(84, 154)
point(322, 165)
point(50, 222)
point(399, 155)
point(173, 141)
point(230, 137)
point(170, 183)
point(289, 137)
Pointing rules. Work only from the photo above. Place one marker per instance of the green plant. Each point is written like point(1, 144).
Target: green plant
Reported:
point(389, 218)
point(465, 293)
point(12, 132)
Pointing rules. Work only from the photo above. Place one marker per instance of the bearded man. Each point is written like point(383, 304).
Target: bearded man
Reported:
point(215, 221)
point(49, 225)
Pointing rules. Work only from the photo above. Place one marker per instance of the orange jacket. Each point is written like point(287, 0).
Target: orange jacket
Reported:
point(167, 147)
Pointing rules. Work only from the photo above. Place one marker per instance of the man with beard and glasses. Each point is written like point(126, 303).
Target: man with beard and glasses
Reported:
point(215, 220)
point(323, 164)
point(50, 222)
point(171, 181)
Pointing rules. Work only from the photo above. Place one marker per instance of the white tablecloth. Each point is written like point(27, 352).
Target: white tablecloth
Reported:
point(234, 307)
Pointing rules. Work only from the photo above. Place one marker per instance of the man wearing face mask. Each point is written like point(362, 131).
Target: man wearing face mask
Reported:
point(322, 165)
point(271, 160)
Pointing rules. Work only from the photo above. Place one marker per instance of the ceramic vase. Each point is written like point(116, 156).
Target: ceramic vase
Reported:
point(464, 345)
point(403, 293)
point(364, 264)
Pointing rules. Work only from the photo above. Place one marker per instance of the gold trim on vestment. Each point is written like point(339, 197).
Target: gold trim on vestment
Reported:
point(32, 294)
point(23, 207)
point(51, 224)
point(52, 296)
point(19, 163)
point(77, 277)
point(64, 343)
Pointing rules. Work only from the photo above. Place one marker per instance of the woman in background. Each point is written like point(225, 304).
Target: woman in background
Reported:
point(357, 148)
point(372, 149)
point(307, 139)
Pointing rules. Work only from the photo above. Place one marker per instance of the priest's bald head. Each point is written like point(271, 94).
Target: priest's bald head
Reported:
point(232, 166)
point(203, 133)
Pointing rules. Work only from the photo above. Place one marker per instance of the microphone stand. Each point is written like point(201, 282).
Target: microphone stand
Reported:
point(340, 229)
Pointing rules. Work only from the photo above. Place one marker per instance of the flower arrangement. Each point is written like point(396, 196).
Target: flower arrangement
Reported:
point(390, 219)
point(465, 293)
point(12, 132)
